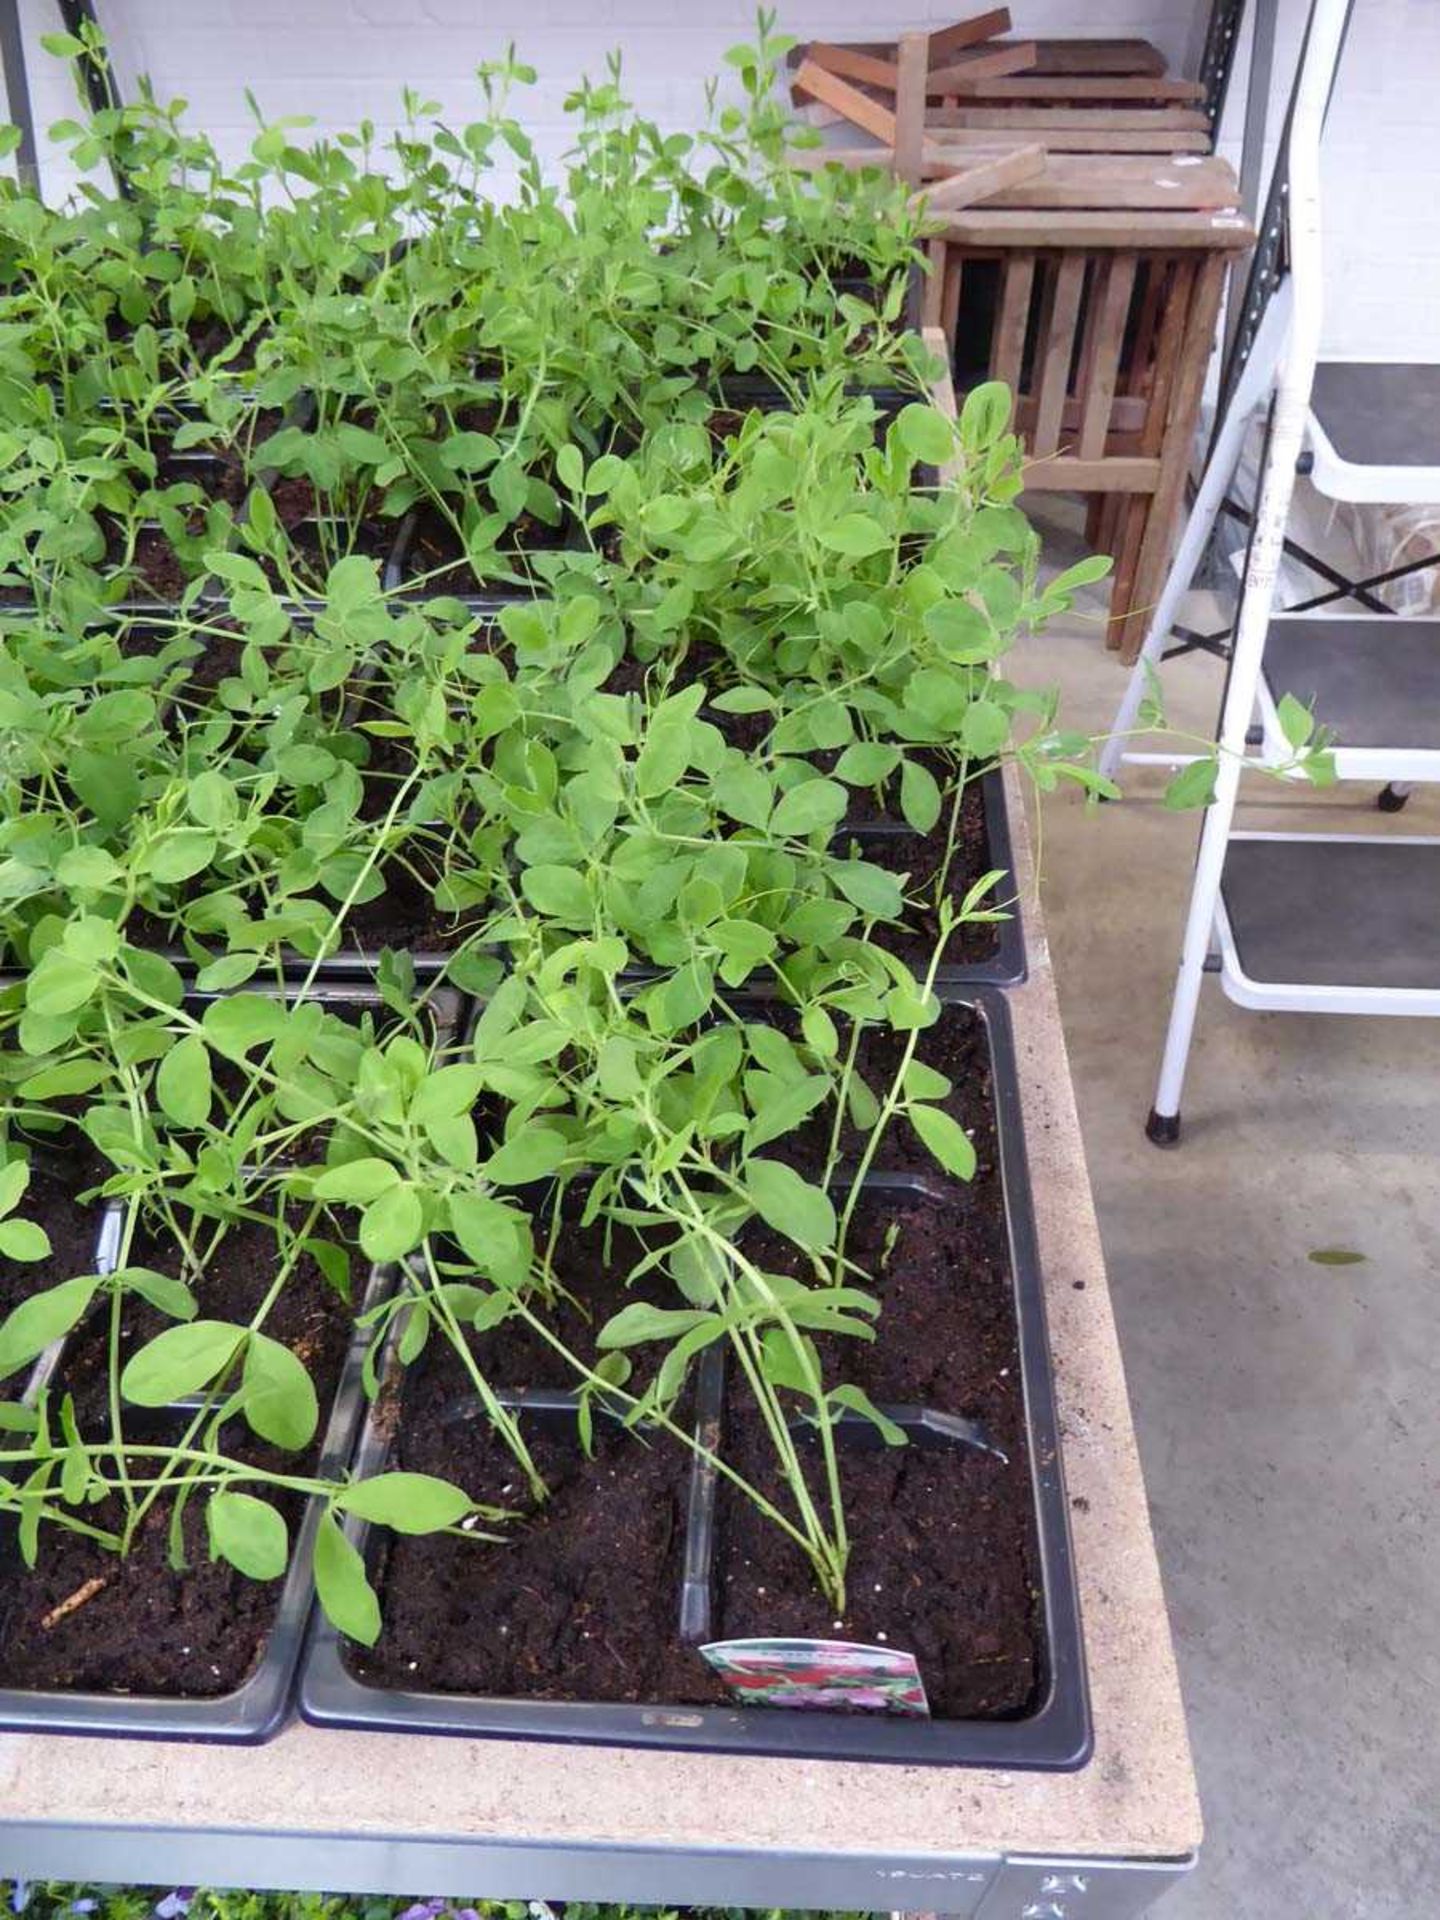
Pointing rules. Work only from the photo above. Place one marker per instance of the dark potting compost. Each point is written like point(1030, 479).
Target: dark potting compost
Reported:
point(86, 1619)
point(585, 1589)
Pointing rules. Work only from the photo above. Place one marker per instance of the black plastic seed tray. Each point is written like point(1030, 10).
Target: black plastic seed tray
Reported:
point(399, 572)
point(742, 391)
point(1054, 1734)
point(259, 1707)
point(1005, 966)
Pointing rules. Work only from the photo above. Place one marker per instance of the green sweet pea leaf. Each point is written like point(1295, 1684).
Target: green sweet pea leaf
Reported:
point(407, 1502)
point(533, 1154)
point(184, 852)
point(183, 1083)
point(242, 1021)
point(790, 1205)
point(632, 1326)
point(249, 1533)
point(23, 1240)
point(925, 433)
point(358, 1181)
point(945, 1138)
point(855, 535)
point(180, 1361)
point(392, 1224)
point(559, 892)
point(344, 1593)
point(59, 984)
point(810, 807)
point(280, 1403)
point(29, 1328)
point(1193, 786)
point(985, 729)
point(919, 796)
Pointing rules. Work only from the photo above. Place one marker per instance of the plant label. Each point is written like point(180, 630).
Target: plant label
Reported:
point(829, 1674)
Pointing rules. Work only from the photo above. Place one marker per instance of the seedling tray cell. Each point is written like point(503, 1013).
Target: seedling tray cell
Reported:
point(1005, 965)
point(742, 392)
point(400, 569)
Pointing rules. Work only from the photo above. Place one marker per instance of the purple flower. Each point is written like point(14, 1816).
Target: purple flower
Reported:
point(175, 1905)
point(423, 1910)
point(83, 1906)
point(20, 1896)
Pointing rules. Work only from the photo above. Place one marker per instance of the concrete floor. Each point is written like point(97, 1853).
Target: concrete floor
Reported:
point(1288, 1412)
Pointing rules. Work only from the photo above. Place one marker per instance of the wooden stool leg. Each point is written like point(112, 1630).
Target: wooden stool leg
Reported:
point(1131, 518)
point(912, 65)
point(1054, 352)
point(1157, 543)
point(1165, 313)
point(932, 302)
point(1157, 534)
point(950, 302)
point(1110, 522)
point(1012, 319)
point(1105, 337)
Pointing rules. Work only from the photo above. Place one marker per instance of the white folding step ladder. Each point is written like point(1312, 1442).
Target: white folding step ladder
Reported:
point(1314, 922)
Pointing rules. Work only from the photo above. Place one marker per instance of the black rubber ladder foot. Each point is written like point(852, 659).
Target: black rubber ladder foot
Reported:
point(1389, 801)
point(1163, 1129)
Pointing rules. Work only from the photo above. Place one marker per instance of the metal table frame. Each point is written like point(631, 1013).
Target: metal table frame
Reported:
point(976, 1886)
point(522, 1820)
point(405, 1858)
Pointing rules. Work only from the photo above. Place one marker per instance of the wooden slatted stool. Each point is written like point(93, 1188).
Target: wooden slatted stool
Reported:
point(897, 123)
point(1064, 59)
point(964, 85)
point(1098, 288)
point(971, 63)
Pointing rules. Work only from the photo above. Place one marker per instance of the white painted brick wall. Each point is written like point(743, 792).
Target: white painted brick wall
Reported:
point(341, 59)
point(1381, 176)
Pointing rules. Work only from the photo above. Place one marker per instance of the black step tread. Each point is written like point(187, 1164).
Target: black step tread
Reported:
point(1375, 682)
point(1355, 913)
point(1383, 413)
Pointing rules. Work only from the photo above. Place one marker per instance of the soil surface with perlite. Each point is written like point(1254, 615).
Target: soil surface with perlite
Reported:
point(87, 1620)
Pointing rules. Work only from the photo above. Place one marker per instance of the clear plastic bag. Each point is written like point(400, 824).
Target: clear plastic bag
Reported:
point(1392, 536)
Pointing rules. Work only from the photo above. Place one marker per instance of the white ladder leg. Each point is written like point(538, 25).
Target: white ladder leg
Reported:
point(1272, 509)
point(1250, 390)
